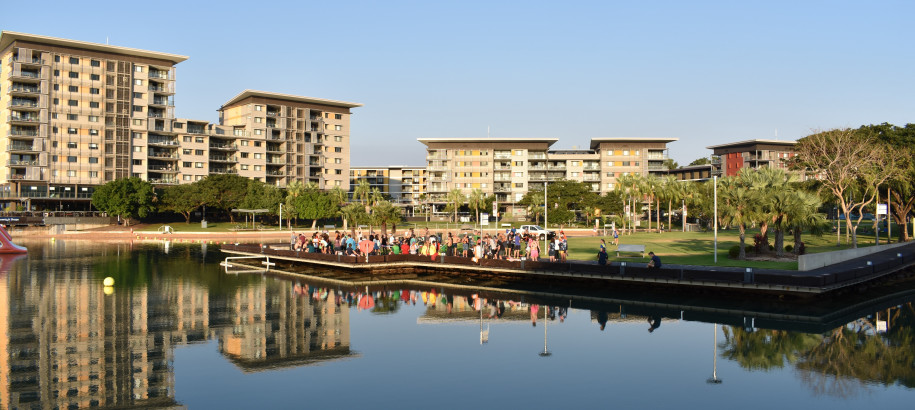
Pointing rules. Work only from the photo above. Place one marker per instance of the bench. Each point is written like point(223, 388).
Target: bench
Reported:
point(630, 248)
point(330, 227)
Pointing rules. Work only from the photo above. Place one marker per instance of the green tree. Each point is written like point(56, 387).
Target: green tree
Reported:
point(901, 185)
point(736, 206)
point(700, 161)
point(224, 192)
point(476, 200)
point(262, 196)
point(126, 198)
point(852, 165)
point(294, 190)
point(669, 163)
point(384, 213)
point(454, 199)
point(182, 199)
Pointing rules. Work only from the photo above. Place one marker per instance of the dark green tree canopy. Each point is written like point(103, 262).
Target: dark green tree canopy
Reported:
point(127, 198)
point(700, 161)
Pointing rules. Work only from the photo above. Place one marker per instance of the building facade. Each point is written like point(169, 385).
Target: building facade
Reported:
point(509, 167)
point(75, 115)
point(405, 185)
point(728, 159)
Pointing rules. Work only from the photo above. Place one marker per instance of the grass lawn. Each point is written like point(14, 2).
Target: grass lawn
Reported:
point(696, 248)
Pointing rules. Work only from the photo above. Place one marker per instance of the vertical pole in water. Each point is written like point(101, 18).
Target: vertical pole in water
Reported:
point(715, 179)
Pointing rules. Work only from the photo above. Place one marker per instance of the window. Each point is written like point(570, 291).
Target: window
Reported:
point(138, 68)
point(93, 174)
point(93, 145)
point(519, 174)
point(138, 162)
point(338, 127)
point(93, 118)
point(244, 155)
point(56, 87)
point(338, 171)
point(337, 183)
point(94, 77)
point(186, 164)
point(53, 158)
point(93, 91)
point(198, 140)
point(338, 161)
point(576, 163)
point(72, 130)
point(244, 167)
point(257, 143)
point(137, 95)
point(137, 108)
point(198, 152)
point(95, 63)
point(575, 174)
point(71, 145)
point(239, 132)
point(56, 59)
point(72, 117)
point(72, 89)
point(257, 167)
point(137, 149)
point(258, 132)
point(138, 82)
point(519, 163)
point(244, 143)
point(73, 74)
point(519, 185)
point(187, 138)
point(71, 173)
point(257, 155)
point(136, 135)
point(74, 60)
point(93, 160)
point(93, 132)
point(338, 138)
point(258, 120)
point(198, 165)
point(198, 177)
point(71, 158)
point(73, 103)
point(138, 122)
point(338, 149)
point(56, 101)
point(338, 116)
point(186, 151)
point(258, 108)
point(93, 104)
point(625, 152)
point(186, 177)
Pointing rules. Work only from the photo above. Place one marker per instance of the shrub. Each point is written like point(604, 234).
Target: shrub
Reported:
point(734, 252)
point(789, 248)
point(801, 248)
point(771, 248)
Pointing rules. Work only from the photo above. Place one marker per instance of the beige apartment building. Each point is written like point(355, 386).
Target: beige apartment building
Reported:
point(404, 184)
point(75, 115)
point(509, 167)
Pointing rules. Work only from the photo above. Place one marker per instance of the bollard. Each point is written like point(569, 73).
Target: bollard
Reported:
point(622, 268)
point(748, 276)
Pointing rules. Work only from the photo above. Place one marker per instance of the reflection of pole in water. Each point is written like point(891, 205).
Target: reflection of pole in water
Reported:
point(545, 352)
point(203, 249)
point(714, 379)
point(484, 336)
point(167, 245)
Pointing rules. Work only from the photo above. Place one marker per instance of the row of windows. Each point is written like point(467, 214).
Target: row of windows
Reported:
point(73, 159)
point(74, 131)
point(75, 117)
point(75, 60)
point(75, 89)
point(74, 74)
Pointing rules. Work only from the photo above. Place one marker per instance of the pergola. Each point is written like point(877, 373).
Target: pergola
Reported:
point(253, 213)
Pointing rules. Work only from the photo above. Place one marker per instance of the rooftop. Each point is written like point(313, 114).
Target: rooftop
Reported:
point(287, 97)
point(752, 142)
point(549, 141)
point(8, 37)
point(596, 141)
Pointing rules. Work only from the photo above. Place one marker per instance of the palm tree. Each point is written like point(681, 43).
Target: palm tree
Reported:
point(630, 183)
point(339, 197)
point(476, 199)
point(383, 213)
point(805, 217)
point(454, 199)
point(362, 191)
point(737, 207)
point(671, 190)
point(295, 189)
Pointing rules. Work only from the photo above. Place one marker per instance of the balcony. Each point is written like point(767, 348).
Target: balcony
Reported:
point(28, 75)
point(536, 156)
point(591, 167)
point(21, 147)
point(196, 130)
point(19, 103)
point(223, 158)
point(24, 60)
point(656, 167)
point(503, 156)
point(223, 171)
point(225, 147)
point(536, 167)
point(277, 173)
point(557, 167)
point(21, 89)
point(163, 101)
point(23, 133)
point(22, 162)
point(161, 88)
point(498, 188)
point(502, 178)
point(163, 168)
point(656, 156)
point(163, 181)
point(437, 156)
point(163, 142)
point(23, 118)
point(273, 113)
point(275, 149)
point(168, 156)
point(156, 74)
point(589, 178)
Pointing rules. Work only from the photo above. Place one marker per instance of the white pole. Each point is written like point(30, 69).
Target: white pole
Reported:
point(545, 211)
point(715, 179)
point(281, 216)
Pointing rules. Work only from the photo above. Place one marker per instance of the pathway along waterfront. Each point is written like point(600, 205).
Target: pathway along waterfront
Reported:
point(849, 275)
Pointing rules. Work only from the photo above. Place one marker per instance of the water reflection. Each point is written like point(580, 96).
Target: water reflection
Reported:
point(65, 343)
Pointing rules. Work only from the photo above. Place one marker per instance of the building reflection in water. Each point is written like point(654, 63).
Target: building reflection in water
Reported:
point(64, 343)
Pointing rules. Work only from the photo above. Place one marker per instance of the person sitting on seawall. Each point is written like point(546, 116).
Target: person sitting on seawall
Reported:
point(602, 253)
point(655, 262)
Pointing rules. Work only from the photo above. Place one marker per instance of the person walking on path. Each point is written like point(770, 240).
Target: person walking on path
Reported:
point(616, 237)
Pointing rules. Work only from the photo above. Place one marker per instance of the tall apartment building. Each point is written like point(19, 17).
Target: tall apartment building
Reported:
point(729, 158)
point(75, 115)
point(509, 167)
point(404, 184)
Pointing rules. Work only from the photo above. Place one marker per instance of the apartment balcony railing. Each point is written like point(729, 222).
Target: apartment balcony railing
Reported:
point(278, 173)
point(536, 167)
point(273, 113)
point(26, 60)
point(536, 156)
point(501, 189)
point(31, 118)
point(163, 101)
point(589, 167)
point(164, 142)
point(503, 156)
point(502, 178)
point(163, 75)
point(25, 74)
point(276, 162)
point(161, 88)
point(21, 147)
point(656, 156)
point(163, 155)
point(503, 168)
point(591, 178)
point(222, 158)
point(163, 168)
point(163, 181)
point(22, 89)
point(153, 114)
point(657, 168)
point(556, 167)
point(23, 133)
point(24, 103)
point(22, 162)
point(224, 146)
point(223, 171)
point(196, 130)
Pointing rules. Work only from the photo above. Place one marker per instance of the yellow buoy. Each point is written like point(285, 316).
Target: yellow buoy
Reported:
point(108, 290)
point(109, 281)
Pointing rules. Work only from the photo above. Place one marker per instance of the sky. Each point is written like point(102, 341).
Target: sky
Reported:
point(705, 72)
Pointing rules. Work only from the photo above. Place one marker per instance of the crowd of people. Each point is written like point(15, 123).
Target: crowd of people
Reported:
point(509, 245)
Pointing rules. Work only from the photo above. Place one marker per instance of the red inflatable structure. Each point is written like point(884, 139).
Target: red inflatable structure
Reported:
point(6, 243)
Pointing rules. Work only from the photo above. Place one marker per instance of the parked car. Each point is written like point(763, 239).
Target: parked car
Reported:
point(854, 217)
point(537, 230)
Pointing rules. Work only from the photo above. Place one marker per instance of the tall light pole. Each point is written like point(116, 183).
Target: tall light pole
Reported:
point(715, 179)
point(545, 211)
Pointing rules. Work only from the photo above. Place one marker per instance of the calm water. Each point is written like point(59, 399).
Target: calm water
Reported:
point(177, 330)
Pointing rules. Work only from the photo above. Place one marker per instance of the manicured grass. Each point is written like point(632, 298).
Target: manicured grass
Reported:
point(696, 248)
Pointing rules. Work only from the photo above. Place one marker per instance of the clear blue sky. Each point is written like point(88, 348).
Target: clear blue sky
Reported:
point(704, 72)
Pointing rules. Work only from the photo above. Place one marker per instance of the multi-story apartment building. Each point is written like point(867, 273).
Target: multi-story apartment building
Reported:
point(74, 115)
point(509, 167)
point(729, 158)
point(404, 184)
